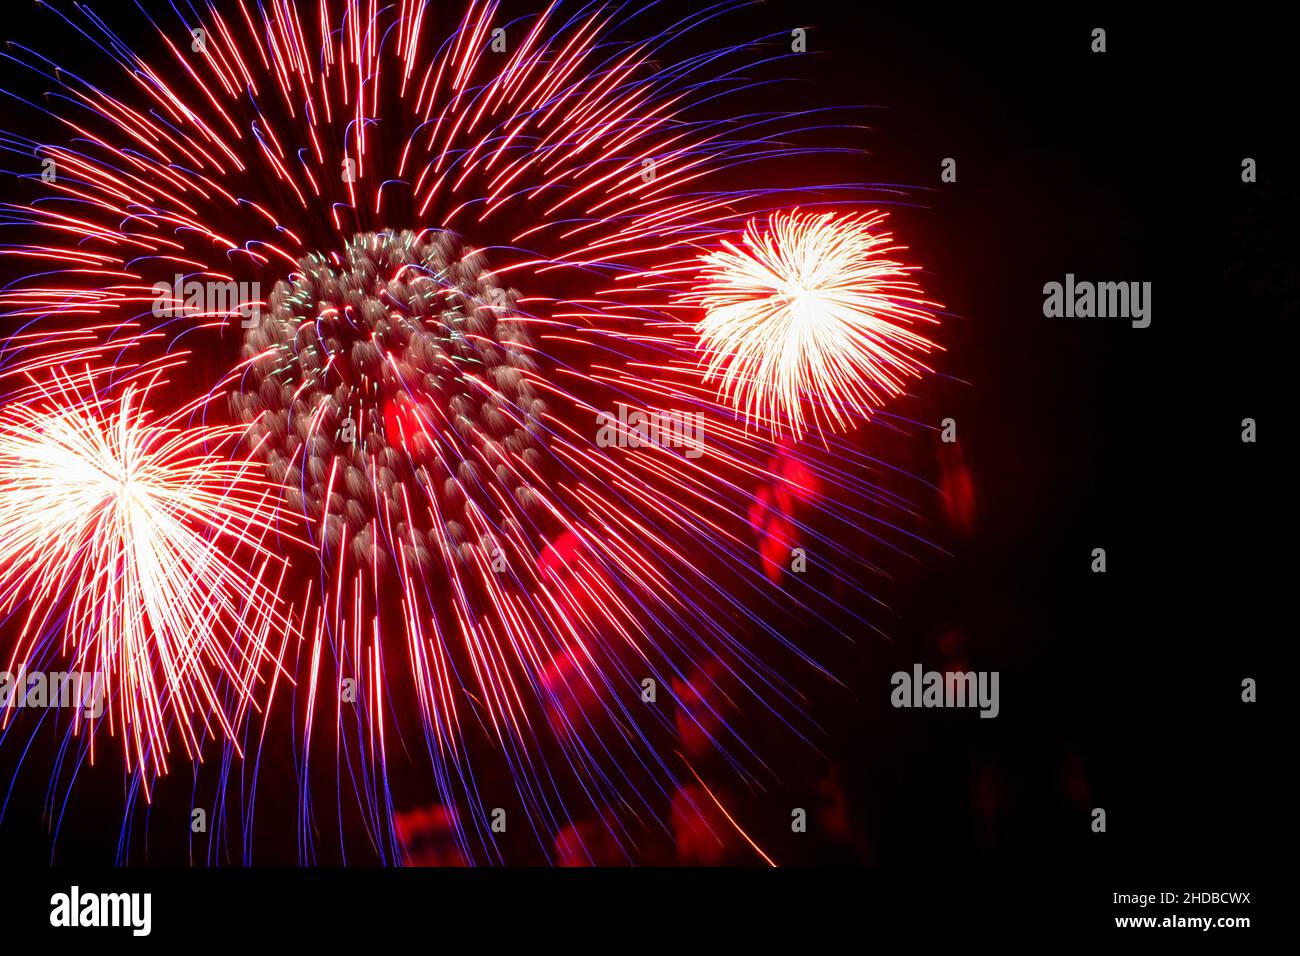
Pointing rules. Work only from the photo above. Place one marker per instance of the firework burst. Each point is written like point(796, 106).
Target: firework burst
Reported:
point(480, 244)
point(809, 318)
point(141, 542)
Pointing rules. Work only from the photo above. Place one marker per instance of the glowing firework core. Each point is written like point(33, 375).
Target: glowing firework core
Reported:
point(388, 388)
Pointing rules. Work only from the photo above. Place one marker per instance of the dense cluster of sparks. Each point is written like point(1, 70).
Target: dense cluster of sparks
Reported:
point(384, 388)
point(478, 244)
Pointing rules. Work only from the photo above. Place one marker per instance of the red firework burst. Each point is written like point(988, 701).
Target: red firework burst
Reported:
point(478, 248)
